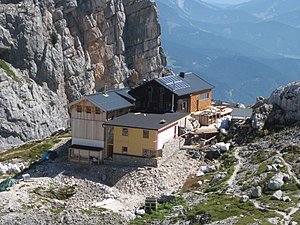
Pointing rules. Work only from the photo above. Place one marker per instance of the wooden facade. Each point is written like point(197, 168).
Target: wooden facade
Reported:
point(87, 130)
point(153, 97)
point(200, 100)
point(85, 154)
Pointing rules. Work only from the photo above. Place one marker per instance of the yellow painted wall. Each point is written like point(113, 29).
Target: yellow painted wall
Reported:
point(134, 141)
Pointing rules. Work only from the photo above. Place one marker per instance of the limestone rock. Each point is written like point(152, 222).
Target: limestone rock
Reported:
point(277, 195)
point(244, 198)
point(286, 199)
point(275, 183)
point(28, 111)
point(269, 168)
point(71, 48)
point(288, 99)
point(255, 192)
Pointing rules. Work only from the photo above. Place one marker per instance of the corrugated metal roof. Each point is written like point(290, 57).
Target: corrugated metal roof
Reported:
point(146, 120)
point(191, 83)
point(241, 113)
point(110, 101)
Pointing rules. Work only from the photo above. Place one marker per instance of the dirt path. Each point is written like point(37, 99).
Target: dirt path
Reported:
point(232, 180)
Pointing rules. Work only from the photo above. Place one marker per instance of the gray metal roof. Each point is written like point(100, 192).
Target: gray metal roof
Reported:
point(110, 101)
point(240, 113)
point(180, 86)
point(146, 120)
point(124, 93)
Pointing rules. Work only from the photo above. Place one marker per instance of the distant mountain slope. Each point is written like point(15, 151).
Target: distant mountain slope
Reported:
point(271, 36)
point(201, 11)
point(236, 78)
point(178, 29)
point(291, 18)
point(266, 9)
point(242, 59)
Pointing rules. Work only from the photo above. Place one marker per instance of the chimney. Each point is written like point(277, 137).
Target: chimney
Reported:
point(181, 74)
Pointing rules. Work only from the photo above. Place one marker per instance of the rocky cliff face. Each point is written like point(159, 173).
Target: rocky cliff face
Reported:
point(288, 99)
point(73, 47)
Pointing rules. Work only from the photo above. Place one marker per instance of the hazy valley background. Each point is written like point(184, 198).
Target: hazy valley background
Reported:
point(246, 50)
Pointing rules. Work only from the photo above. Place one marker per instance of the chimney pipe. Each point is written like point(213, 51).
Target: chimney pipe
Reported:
point(181, 74)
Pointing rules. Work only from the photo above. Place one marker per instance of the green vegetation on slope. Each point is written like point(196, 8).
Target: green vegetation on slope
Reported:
point(32, 151)
point(8, 71)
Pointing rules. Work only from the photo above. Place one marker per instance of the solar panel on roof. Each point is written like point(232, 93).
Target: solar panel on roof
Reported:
point(174, 82)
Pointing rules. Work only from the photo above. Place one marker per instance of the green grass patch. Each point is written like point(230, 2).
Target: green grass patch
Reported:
point(290, 186)
point(8, 71)
point(261, 156)
point(296, 216)
point(60, 193)
point(57, 210)
point(30, 152)
point(222, 206)
point(227, 165)
point(277, 204)
point(162, 211)
point(93, 211)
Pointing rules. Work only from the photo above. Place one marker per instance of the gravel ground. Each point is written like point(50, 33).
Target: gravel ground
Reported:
point(118, 189)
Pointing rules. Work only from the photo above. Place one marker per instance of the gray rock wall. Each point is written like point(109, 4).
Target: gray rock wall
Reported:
point(79, 46)
point(288, 99)
point(28, 111)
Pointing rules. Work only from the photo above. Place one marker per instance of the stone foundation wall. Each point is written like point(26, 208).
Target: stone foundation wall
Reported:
point(133, 161)
point(169, 149)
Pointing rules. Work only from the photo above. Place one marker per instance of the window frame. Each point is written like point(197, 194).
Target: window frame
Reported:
point(124, 150)
point(79, 108)
point(88, 109)
point(97, 110)
point(204, 96)
point(125, 131)
point(146, 134)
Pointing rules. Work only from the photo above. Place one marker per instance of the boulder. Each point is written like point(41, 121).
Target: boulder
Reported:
point(255, 192)
point(166, 198)
point(275, 183)
point(277, 161)
point(205, 169)
point(213, 154)
point(223, 146)
point(140, 212)
point(287, 98)
point(244, 198)
point(217, 177)
point(293, 223)
point(269, 168)
point(286, 199)
point(277, 195)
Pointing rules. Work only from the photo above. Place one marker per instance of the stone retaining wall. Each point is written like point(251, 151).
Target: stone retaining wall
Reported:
point(169, 149)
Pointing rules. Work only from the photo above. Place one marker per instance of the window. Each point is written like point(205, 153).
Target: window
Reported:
point(79, 108)
point(145, 133)
point(150, 91)
point(147, 153)
point(184, 105)
point(88, 109)
point(204, 96)
point(124, 150)
point(125, 131)
point(97, 110)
